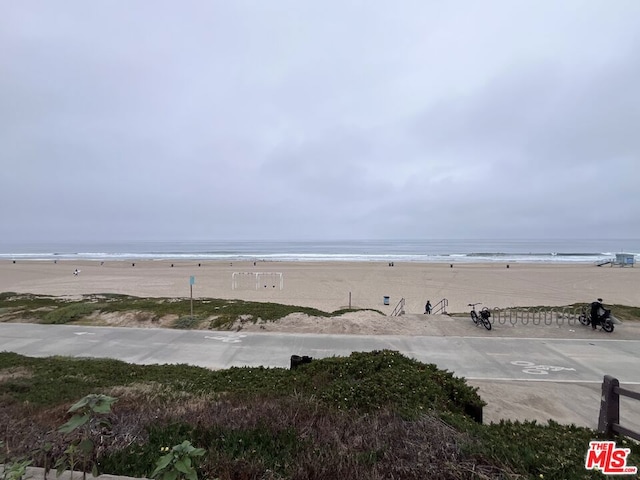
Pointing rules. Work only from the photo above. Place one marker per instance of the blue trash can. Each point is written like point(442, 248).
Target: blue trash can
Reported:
point(385, 300)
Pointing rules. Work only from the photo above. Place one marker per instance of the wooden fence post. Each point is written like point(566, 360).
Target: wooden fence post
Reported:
point(609, 406)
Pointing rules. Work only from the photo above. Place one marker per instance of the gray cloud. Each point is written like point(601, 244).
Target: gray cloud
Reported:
point(218, 120)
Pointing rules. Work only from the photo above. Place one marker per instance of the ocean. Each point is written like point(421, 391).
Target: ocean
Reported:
point(426, 251)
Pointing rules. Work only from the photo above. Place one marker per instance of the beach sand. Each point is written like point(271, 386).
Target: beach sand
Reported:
point(328, 286)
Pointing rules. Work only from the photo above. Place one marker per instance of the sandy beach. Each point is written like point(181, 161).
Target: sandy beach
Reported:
point(329, 286)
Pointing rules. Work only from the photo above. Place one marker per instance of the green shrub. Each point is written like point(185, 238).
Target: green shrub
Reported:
point(69, 313)
point(187, 323)
point(382, 379)
point(56, 310)
point(541, 451)
point(363, 381)
point(369, 415)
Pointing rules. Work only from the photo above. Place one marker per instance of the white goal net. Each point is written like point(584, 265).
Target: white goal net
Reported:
point(257, 281)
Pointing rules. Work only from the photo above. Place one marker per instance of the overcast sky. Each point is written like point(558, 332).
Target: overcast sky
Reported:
point(217, 120)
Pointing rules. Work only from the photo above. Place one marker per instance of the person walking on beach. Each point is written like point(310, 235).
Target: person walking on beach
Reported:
point(595, 312)
point(427, 307)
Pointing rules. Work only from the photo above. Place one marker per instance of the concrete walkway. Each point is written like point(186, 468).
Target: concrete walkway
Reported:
point(34, 473)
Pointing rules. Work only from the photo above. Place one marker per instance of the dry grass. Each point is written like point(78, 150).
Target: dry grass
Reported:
point(14, 372)
point(328, 443)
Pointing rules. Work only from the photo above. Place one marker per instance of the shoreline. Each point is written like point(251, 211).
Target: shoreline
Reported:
point(328, 286)
point(401, 250)
point(465, 260)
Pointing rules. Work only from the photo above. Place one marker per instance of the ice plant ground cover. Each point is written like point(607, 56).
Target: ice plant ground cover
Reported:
point(369, 415)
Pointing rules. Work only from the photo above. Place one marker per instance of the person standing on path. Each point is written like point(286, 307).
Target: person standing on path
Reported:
point(595, 312)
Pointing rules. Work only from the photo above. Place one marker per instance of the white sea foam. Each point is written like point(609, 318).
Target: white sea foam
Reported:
point(440, 251)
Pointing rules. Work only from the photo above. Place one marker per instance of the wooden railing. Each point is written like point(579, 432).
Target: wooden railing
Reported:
point(609, 419)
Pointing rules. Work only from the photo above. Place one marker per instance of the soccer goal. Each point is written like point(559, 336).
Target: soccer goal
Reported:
point(257, 280)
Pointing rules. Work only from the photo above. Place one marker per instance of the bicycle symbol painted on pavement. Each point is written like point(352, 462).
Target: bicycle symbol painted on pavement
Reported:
point(534, 369)
point(227, 339)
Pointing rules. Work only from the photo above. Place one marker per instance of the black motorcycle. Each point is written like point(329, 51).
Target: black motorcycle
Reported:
point(604, 321)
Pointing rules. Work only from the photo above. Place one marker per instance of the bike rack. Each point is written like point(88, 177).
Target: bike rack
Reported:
point(537, 316)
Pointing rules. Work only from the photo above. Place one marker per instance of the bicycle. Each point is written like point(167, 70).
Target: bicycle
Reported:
point(483, 318)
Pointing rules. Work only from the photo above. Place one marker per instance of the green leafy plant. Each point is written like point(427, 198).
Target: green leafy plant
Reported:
point(177, 464)
point(87, 409)
point(15, 470)
point(44, 453)
point(69, 460)
point(12, 470)
point(88, 415)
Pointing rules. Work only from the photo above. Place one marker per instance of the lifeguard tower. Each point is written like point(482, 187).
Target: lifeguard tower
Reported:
point(625, 260)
